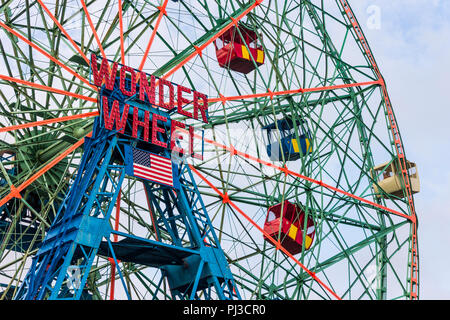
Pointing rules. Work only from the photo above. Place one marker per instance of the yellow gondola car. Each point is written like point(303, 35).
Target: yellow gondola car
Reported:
point(391, 181)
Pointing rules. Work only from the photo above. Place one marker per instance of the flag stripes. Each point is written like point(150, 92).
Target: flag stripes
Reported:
point(152, 167)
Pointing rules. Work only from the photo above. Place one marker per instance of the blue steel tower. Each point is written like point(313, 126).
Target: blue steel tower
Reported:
point(192, 261)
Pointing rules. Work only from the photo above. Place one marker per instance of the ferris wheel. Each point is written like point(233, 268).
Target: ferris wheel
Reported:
point(273, 162)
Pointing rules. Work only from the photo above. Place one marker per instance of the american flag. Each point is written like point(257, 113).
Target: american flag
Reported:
point(152, 167)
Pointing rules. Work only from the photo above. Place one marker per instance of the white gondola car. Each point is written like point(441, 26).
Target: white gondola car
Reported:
point(391, 181)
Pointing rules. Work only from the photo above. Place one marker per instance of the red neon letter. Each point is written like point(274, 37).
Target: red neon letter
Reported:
point(104, 73)
point(145, 89)
point(191, 144)
point(176, 134)
point(170, 105)
point(114, 116)
point(132, 90)
point(182, 100)
point(144, 124)
point(203, 107)
point(156, 129)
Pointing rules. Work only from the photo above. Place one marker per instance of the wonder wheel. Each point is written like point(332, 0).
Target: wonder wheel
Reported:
point(303, 190)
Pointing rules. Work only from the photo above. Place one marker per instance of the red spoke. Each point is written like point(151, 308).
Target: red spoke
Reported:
point(271, 94)
point(122, 48)
point(63, 31)
point(286, 171)
point(277, 244)
point(115, 238)
point(162, 12)
point(88, 17)
point(198, 50)
point(62, 65)
point(46, 88)
point(48, 121)
point(15, 191)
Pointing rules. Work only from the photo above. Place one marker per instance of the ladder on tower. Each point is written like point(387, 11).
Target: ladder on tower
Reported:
point(413, 264)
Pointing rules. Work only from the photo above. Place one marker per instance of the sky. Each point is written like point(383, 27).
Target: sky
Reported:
point(410, 41)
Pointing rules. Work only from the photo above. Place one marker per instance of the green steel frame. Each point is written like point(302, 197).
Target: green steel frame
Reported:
point(318, 68)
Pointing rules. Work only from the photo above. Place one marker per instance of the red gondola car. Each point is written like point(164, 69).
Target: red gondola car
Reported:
point(231, 50)
point(292, 226)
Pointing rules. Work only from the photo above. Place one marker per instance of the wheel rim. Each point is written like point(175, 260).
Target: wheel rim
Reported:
point(314, 71)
